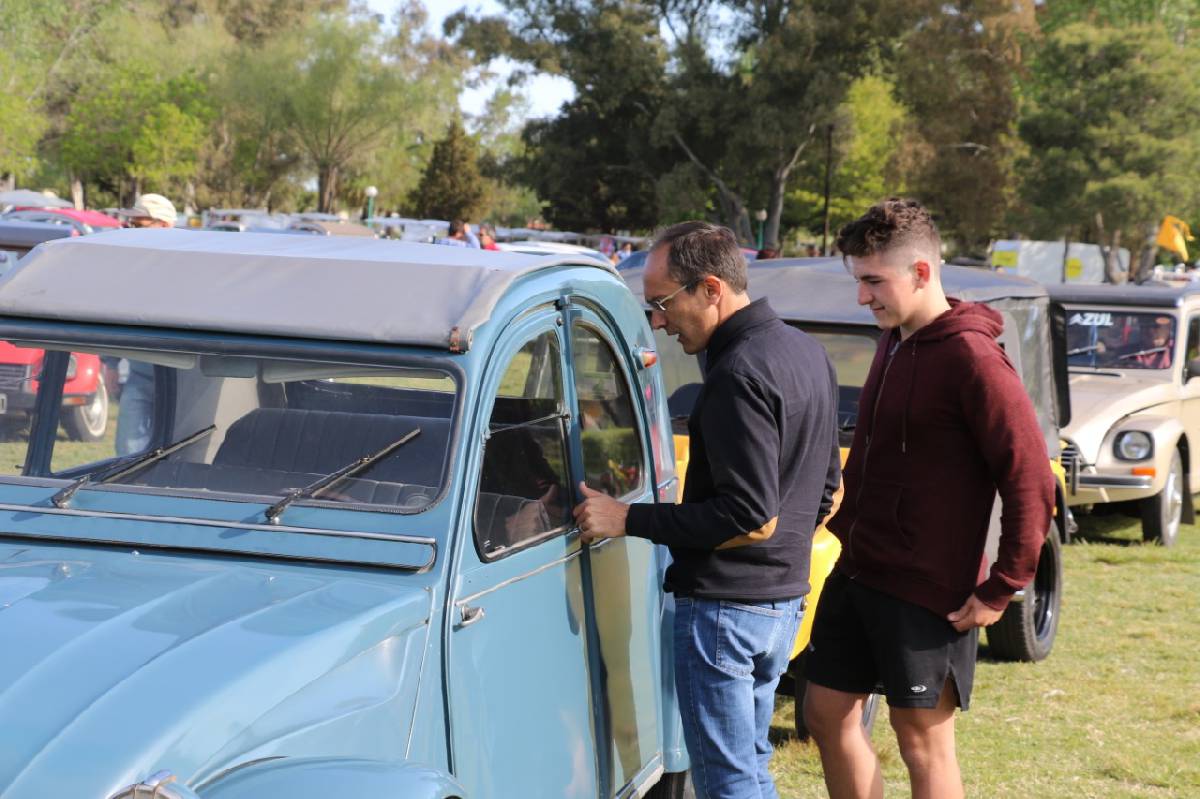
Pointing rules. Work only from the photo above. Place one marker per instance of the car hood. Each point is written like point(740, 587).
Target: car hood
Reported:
point(1100, 400)
point(117, 664)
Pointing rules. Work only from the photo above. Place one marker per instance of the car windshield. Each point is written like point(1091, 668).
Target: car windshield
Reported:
point(278, 425)
point(1107, 339)
point(851, 353)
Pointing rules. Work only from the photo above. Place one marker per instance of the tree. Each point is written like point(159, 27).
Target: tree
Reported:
point(21, 122)
point(971, 51)
point(1110, 136)
point(451, 187)
point(866, 142)
point(137, 129)
point(748, 121)
point(594, 164)
point(344, 93)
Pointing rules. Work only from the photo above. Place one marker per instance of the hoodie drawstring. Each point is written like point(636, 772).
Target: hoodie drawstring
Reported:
point(912, 379)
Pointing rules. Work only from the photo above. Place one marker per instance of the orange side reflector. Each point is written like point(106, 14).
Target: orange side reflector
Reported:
point(648, 356)
point(1143, 471)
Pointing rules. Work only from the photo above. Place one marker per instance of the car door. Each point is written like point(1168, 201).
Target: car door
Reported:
point(1190, 393)
point(519, 687)
point(609, 445)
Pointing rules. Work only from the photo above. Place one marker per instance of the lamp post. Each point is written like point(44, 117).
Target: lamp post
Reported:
point(371, 192)
point(761, 216)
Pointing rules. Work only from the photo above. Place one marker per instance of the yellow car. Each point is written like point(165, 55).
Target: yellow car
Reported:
point(818, 296)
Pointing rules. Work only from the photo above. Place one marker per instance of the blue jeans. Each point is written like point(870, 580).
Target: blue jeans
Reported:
point(728, 659)
point(135, 415)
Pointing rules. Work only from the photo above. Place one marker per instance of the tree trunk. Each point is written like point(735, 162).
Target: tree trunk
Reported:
point(1144, 269)
point(327, 178)
point(1113, 271)
point(7, 182)
point(189, 198)
point(77, 192)
point(779, 180)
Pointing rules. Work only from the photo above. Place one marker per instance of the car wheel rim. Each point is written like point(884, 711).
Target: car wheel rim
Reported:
point(1173, 507)
point(1043, 595)
point(95, 413)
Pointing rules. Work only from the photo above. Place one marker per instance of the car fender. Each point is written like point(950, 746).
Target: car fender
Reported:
point(1166, 432)
point(321, 778)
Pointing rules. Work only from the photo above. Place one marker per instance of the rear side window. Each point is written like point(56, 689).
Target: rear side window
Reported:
point(523, 488)
point(612, 448)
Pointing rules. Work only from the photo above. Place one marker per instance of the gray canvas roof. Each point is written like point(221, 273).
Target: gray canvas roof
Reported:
point(820, 289)
point(323, 287)
point(1156, 296)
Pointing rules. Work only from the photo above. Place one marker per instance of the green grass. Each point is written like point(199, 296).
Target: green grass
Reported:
point(1114, 712)
point(67, 453)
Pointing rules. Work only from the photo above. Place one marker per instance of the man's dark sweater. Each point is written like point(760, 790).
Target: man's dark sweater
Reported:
point(942, 426)
point(763, 465)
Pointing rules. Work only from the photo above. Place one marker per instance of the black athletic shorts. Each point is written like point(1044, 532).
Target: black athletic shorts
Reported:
point(863, 639)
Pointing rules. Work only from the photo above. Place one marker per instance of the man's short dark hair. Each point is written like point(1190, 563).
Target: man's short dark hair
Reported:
point(456, 227)
point(888, 225)
point(699, 249)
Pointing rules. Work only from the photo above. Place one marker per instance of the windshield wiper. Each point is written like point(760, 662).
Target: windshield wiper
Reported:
point(1142, 352)
point(550, 417)
point(1082, 350)
point(127, 466)
point(349, 470)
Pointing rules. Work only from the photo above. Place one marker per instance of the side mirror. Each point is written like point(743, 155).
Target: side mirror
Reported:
point(1193, 369)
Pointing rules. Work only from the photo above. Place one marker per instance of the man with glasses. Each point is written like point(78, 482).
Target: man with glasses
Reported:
point(763, 468)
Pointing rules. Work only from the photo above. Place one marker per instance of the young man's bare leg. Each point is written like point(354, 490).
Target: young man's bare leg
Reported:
point(834, 719)
point(926, 738)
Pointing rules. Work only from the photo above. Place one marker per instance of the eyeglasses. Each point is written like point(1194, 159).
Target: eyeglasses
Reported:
point(661, 305)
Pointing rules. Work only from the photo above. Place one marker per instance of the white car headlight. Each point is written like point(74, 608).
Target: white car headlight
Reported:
point(1133, 445)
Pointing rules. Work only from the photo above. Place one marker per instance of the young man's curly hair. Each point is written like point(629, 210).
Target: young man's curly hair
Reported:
point(888, 225)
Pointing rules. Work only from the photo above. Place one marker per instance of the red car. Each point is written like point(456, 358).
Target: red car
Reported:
point(85, 397)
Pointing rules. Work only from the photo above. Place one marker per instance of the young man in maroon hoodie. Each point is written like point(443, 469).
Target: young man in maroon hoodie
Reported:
point(943, 425)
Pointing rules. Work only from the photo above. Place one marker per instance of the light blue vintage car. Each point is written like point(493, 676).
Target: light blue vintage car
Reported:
point(326, 547)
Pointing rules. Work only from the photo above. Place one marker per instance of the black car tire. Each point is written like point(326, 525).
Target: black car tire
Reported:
point(800, 687)
point(1027, 629)
point(1162, 513)
point(673, 785)
point(88, 422)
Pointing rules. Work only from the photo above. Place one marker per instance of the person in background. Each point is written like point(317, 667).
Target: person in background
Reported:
point(621, 253)
point(459, 235)
point(487, 236)
point(135, 414)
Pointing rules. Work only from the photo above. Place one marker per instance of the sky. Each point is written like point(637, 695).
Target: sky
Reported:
point(546, 93)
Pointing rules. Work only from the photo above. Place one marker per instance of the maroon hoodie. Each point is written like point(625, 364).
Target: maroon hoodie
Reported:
point(943, 424)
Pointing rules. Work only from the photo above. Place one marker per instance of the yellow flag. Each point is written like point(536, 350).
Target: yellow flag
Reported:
point(1172, 234)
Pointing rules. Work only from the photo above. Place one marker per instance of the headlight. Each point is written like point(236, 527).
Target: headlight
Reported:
point(1133, 445)
point(72, 366)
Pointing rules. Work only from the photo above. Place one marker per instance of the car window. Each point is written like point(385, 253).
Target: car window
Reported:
point(20, 371)
point(612, 447)
point(266, 426)
point(1111, 339)
point(1193, 340)
point(109, 410)
point(851, 354)
point(523, 488)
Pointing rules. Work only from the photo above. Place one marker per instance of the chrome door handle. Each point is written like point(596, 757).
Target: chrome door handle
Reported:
point(468, 615)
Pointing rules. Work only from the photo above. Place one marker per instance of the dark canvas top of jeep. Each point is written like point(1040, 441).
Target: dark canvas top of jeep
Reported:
point(819, 293)
point(316, 287)
point(1156, 296)
point(821, 290)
